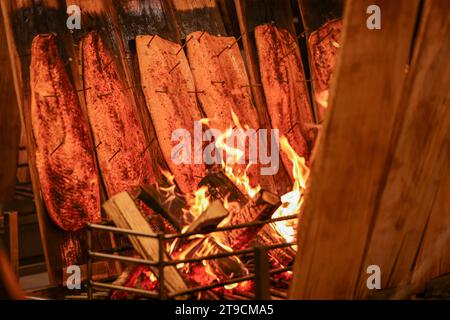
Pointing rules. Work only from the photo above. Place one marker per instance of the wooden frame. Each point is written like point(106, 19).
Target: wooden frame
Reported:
point(382, 151)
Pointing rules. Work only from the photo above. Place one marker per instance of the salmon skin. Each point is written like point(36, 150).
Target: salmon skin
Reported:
point(65, 155)
point(170, 94)
point(121, 146)
point(323, 46)
point(220, 75)
point(285, 88)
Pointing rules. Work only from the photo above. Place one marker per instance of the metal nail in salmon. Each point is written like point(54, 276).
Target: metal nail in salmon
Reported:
point(170, 94)
point(285, 88)
point(124, 162)
point(64, 151)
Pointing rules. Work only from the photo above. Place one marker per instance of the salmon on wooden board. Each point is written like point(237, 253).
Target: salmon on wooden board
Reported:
point(221, 78)
point(170, 94)
point(120, 142)
point(65, 155)
point(285, 89)
point(323, 46)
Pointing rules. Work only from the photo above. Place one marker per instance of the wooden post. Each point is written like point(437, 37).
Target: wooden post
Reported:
point(12, 236)
point(349, 168)
point(9, 123)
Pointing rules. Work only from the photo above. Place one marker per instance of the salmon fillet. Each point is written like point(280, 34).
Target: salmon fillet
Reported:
point(64, 151)
point(119, 137)
point(323, 46)
point(285, 89)
point(223, 79)
point(220, 74)
point(170, 94)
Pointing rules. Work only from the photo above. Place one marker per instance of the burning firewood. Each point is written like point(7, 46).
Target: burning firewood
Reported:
point(64, 151)
point(209, 271)
point(260, 208)
point(210, 218)
point(168, 204)
point(125, 214)
point(222, 188)
point(278, 257)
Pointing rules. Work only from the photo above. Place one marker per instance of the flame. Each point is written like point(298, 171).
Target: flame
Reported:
point(233, 155)
point(209, 271)
point(199, 203)
point(322, 98)
point(171, 190)
point(151, 276)
point(291, 201)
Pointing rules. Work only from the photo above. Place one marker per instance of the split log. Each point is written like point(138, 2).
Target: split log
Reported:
point(210, 218)
point(222, 188)
point(278, 258)
point(260, 208)
point(168, 205)
point(205, 272)
point(125, 214)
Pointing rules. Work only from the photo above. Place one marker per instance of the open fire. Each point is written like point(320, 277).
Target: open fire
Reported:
point(209, 211)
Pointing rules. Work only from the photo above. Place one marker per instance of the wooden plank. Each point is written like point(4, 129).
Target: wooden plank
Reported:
point(250, 14)
point(433, 258)
point(145, 17)
point(353, 150)
point(9, 284)
point(406, 216)
point(12, 235)
point(316, 13)
point(198, 15)
point(125, 214)
point(9, 123)
point(23, 21)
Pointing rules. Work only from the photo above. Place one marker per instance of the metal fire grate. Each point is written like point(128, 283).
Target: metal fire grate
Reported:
point(261, 275)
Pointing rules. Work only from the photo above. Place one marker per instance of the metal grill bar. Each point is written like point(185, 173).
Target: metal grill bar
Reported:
point(162, 263)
